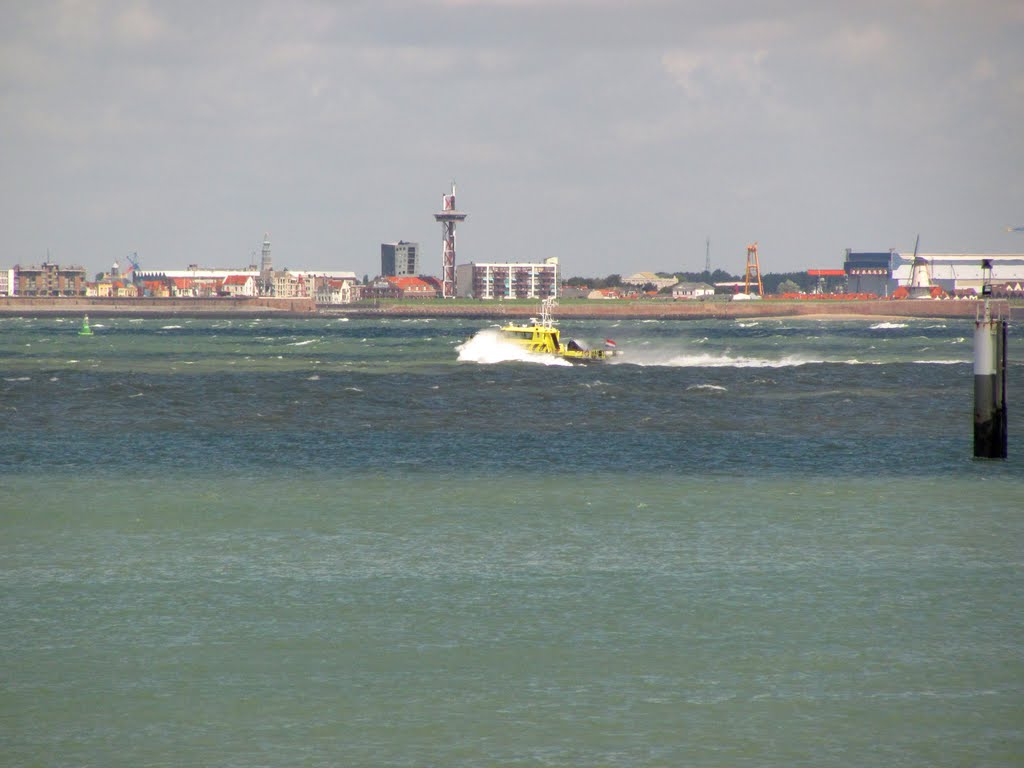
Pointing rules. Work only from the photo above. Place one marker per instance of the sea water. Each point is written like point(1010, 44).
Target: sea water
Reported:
point(270, 542)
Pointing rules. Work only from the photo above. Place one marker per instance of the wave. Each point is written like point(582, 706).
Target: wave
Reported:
point(706, 388)
point(709, 360)
point(169, 327)
point(887, 326)
point(487, 348)
point(302, 343)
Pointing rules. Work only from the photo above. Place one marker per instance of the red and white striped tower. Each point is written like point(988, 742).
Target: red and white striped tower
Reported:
point(448, 217)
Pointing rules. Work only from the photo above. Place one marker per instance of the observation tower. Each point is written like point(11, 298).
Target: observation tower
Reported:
point(448, 217)
point(753, 271)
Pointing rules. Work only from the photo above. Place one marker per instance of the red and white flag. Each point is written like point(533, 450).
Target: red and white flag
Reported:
point(609, 343)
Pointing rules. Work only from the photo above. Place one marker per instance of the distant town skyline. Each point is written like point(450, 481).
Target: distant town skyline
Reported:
point(617, 136)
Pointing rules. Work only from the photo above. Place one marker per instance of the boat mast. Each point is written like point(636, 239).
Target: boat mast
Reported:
point(546, 307)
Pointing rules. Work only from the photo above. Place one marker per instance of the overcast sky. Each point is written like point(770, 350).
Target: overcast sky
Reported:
point(615, 135)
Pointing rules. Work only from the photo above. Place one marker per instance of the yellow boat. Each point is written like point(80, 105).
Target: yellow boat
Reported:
point(542, 337)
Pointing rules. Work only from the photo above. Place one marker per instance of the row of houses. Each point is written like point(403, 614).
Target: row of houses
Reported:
point(323, 287)
point(880, 274)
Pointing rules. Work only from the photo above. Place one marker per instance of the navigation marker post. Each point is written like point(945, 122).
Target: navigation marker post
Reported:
point(989, 377)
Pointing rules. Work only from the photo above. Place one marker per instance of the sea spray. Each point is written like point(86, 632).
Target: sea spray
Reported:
point(486, 347)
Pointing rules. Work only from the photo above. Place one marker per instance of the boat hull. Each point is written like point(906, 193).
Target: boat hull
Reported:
point(545, 340)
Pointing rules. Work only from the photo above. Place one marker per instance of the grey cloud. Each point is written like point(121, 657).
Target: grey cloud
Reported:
point(615, 135)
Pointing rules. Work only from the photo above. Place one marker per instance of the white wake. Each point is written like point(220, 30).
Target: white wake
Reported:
point(486, 347)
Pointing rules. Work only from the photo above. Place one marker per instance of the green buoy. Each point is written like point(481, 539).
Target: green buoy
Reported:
point(85, 329)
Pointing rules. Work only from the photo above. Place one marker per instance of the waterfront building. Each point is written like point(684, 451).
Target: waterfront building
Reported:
point(692, 290)
point(645, 278)
point(869, 272)
point(116, 289)
point(291, 285)
point(883, 273)
point(519, 280)
point(957, 273)
point(239, 285)
point(156, 288)
point(50, 279)
point(333, 290)
point(401, 288)
point(193, 288)
point(399, 259)
point(193, 273)
point(8, 282)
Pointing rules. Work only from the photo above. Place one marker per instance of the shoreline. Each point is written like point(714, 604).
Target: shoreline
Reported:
point(879, 309)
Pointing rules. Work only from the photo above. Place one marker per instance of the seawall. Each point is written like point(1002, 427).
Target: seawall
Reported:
point(652, 309)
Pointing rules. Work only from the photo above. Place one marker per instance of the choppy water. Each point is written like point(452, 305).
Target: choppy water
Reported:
point(329, 542)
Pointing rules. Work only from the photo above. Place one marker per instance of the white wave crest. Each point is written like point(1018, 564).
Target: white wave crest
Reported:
point(887, 326)
point(486, 347)
point(302, 343)
point(706, 388)
point(713, 360)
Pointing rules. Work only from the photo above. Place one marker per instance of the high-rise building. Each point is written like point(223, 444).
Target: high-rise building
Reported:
point(399, 259)
point(522, 280)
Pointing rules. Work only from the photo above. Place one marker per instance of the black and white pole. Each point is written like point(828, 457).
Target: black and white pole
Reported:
point(989, 380)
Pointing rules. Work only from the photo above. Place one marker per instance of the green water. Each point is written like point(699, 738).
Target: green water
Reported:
point(341, 545)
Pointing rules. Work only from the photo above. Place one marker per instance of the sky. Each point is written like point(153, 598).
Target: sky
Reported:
point(617, 135)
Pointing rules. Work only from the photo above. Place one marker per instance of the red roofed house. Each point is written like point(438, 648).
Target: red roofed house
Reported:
point(238, 285)
point(123, 289)
point(156, 288)
point(411, 288)
point(183, 286)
